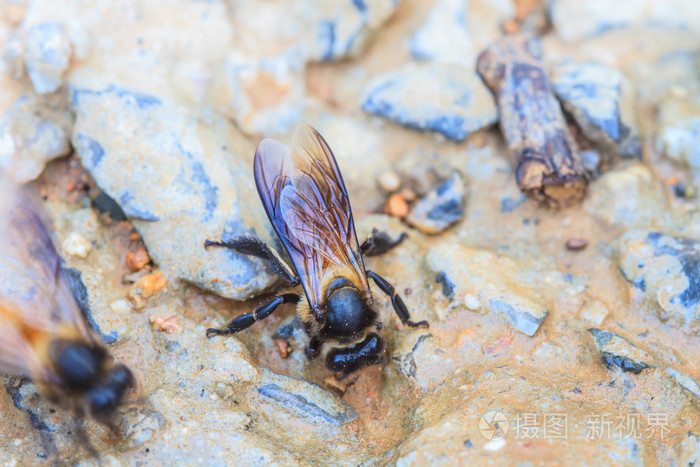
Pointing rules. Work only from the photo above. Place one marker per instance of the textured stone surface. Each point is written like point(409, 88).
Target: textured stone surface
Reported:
point(183, 180)
point(685, 381)
point(679, 129)
point(47, 54)
point(689, 449)
point(33, 131)
point(629, 197)
point(264, 77)
point(616, 351)
point(496, 280)
point(449, 100)
point(575, 20)
point(441, 208)
point(455, 30)
point(445, 35)
point(666, 269)
point(601, 100)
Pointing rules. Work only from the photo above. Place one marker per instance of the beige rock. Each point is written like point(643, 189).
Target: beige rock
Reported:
point(77, 245)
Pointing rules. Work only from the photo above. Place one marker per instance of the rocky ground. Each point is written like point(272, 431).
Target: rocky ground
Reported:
point(579, 327)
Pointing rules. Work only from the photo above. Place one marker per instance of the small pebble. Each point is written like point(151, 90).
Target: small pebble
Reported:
point(478, 139)
point(681, 190)
point(77, 245)
point(396, 206)
point(408, 195)
point(389, 181)
point(166, 324)
point(223, 390)
point(137, 260)
point(510, 26)
point(151, 284)
point(495, 444)
point(120, 306)
point(441, 208)
point(576, 244)
point(591, 161)
point(146, 287)
point(595, 313)
point(283, 347)
point(472, 303)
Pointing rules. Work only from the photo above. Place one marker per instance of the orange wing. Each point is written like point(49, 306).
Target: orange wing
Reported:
point(36, 299)
point(307, 203)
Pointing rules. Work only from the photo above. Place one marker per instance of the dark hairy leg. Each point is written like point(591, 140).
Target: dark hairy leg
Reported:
point(348, 359)
point(396, 301)
point(378, 243)
point(247, 320)
point(313, 349)
point(256, 247)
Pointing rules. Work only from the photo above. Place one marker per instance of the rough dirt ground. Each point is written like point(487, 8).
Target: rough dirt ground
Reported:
point(238, 401)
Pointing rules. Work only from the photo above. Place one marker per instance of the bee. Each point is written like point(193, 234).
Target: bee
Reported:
point(43, 333)
point(306, 202)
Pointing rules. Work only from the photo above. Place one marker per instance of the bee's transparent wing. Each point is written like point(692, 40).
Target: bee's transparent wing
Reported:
point(307, 203)
point(36, 299)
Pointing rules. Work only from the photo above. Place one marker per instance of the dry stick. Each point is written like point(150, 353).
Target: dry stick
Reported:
point(549, 166)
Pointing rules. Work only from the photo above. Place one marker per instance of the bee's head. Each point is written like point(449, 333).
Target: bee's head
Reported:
point(347, 315)
point(78, 365)
point(87, 370)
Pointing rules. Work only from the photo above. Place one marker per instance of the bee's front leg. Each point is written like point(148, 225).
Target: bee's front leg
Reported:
point(396, 301)
point(344, 361)
point(247, 320)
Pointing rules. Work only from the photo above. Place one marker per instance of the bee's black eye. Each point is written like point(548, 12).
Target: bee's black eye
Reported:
point(78, 365)
point(346, 314)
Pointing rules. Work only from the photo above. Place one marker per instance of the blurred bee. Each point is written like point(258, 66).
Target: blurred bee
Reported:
point(307, 203)
point(43, 334)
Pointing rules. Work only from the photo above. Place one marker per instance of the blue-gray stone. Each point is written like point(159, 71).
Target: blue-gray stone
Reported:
point(343, 27)
point(445, 36)
point(301, 400)
point(441, 208)
point(33, 130)
point(666, 269)
point(449, 100)
point(678, 122)
point(522, 319)
point(180, 179)
point(600, 99)
point(302, 407)
point(685, 381)
point(48, 51)
point(616, 351)
point(575, 20)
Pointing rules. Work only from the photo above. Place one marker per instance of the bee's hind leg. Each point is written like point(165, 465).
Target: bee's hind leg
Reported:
point(378, 243)
point(396, 301)
point(247, 320)
point(256, 247)
point(345, 360)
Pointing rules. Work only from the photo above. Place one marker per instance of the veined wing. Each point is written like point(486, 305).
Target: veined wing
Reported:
point(307, 203)
point(36, 299)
